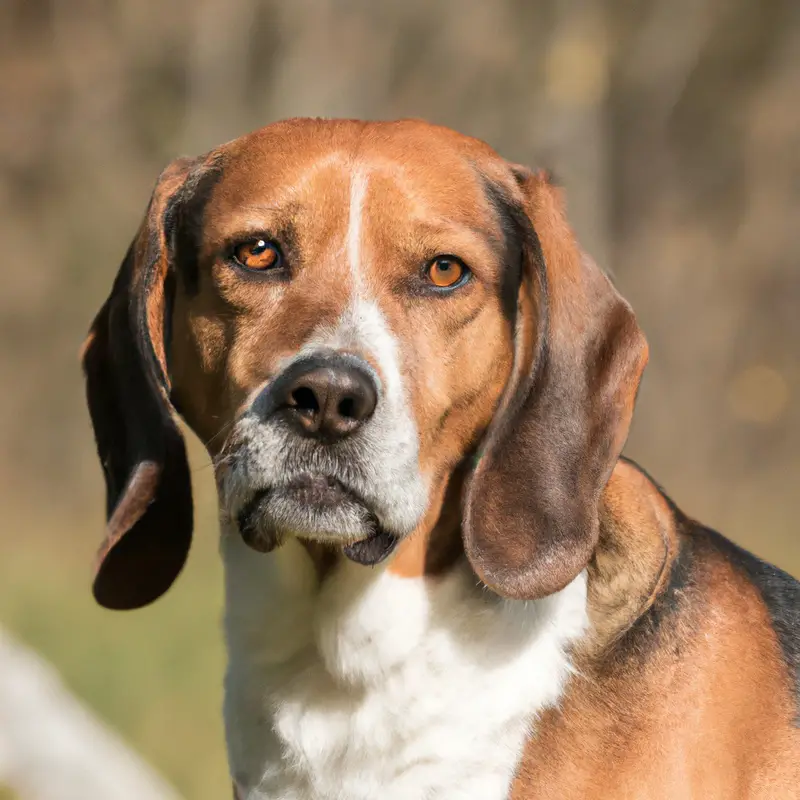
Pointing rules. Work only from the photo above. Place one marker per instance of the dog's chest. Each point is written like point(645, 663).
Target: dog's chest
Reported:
point(380, 686)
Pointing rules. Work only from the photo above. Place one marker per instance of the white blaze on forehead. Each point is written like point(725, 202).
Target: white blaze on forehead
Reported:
point(358, 196)
point(362, 326)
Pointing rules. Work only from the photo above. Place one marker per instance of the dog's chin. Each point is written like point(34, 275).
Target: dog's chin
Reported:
point(315, 508)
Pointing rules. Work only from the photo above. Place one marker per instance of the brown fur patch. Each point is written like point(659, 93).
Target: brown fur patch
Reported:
point(436, 544)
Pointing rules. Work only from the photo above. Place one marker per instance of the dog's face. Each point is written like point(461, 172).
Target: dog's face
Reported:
point(344, 341)
point(351, 317)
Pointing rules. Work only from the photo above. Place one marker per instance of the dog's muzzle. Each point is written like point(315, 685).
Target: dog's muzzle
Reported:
point(317, 412)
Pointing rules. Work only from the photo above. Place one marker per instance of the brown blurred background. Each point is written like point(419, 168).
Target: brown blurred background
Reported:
point(674, 125)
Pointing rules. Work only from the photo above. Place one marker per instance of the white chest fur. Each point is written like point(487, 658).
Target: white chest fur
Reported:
point(376, 686)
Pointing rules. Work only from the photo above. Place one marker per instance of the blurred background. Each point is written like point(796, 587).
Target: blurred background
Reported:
point(673, 124)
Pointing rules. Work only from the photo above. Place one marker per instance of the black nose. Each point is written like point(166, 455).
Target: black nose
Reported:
point(330, 401)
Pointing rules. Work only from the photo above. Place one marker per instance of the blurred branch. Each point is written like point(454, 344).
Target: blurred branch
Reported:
point(50, 746)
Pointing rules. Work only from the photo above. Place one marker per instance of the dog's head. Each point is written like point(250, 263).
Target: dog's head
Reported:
point(362, 321)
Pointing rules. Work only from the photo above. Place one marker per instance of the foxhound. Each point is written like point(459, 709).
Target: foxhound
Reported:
point(442, 579)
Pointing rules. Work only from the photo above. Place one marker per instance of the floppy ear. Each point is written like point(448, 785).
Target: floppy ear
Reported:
point(148, 489)
point(532, 502)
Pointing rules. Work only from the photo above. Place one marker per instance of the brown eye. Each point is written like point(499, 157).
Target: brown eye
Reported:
point(258, 254)
point(446, 272)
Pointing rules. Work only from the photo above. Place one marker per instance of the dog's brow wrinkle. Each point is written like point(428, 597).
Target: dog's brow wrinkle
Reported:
point(264, 207)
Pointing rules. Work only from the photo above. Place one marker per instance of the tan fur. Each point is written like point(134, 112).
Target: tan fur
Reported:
point(435, 545)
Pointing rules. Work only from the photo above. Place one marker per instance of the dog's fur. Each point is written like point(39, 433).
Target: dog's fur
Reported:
point(472, 595)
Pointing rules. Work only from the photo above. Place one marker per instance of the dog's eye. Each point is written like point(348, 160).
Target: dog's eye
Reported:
point(258, 254)
point(446, 272)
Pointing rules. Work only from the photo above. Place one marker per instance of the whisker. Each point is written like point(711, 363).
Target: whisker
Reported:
point(223, 456)
point(223, 429)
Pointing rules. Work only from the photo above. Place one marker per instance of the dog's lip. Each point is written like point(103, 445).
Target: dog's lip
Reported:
point(323, 491)
point(373, 549)
point(319, 490)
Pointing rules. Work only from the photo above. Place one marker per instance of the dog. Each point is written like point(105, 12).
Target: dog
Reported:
point(442, 578)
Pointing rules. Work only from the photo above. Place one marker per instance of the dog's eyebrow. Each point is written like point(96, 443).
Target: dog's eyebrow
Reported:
point(271, 209)
point(434, 225)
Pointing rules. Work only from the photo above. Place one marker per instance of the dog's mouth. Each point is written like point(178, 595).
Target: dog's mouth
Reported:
point(320, 491)
point(318, 508)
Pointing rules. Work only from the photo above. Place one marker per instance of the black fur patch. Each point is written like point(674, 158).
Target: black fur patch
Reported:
point(183, 223)
point(517, 232)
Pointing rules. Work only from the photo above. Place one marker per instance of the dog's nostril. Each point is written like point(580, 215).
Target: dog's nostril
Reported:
point(347, 408)
point(304, 399)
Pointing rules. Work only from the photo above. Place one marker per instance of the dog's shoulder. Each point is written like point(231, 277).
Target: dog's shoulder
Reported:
point(779, 591)
point(709, 578)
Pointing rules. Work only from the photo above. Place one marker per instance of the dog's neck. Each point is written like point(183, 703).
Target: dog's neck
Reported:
point(345, 680)
point(370, 684)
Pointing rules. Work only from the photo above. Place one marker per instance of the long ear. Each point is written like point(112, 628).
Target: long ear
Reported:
point(532, 502)
point(148, 489)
